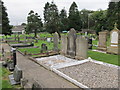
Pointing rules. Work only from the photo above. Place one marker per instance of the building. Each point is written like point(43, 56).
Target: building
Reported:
point(18, 29)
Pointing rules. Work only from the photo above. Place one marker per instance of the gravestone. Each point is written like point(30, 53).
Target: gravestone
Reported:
point(16, 76)
point(49, 40)
point(56, 42)
point(81, 47)
point(114, 41)
point(43, 48)
point(71, 49)
point(90, 43)
point(63, 45)
point(102, 45)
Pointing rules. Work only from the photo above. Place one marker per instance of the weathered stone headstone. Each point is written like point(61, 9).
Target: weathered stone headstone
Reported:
point(56, 42)
point(16, 76)
point(71, 43)
point(114, 41)
point(63, 45)
point(102, 45)
point(81, 47)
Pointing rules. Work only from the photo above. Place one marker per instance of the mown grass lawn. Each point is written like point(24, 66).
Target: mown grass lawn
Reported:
point(108, 58)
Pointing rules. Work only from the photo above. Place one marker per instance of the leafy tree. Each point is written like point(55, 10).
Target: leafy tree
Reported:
point(85, 15)
point(74, 17)
point(112, 14)
point(6, 28)
point(99, 20)
point(118, 13)
point(34, 23)
point(51, 18)
point(63, 20)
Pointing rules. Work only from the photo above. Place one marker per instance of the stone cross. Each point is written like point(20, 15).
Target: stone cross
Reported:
point(55, 41)
point(81, 47)
point(71, 43)
point(63, 45)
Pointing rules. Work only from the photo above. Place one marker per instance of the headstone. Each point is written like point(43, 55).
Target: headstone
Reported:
point(16, 76)
point(64, 45)
point(90, 43)
point(114, 41)
point(81, 47)
point(71, 49)
point(44, 48)
point(48, 39)
point(85, 33)
point(102, 45)
point(56, 42)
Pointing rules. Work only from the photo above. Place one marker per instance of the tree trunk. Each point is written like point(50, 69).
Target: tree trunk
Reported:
point(35, 33)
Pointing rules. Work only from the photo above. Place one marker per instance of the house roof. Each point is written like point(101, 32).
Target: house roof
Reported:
point(18, 28)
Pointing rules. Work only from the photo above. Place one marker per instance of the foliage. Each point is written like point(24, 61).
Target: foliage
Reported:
point(99, 20)
point(113, 15)
point(84, 14)
point(51, 18)
point(63, 20)
point(6, 28)
point(74, 17)
point(34, 23)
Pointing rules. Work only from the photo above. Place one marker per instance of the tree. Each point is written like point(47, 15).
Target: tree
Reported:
point(34, 23)
point(6, 28)
point(63, 20)
point(112, 14)
point(85, 16)
point(99, 20)
point(51, 18)
point(74, 17)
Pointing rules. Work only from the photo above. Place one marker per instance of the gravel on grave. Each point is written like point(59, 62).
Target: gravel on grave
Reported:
point(93, 75)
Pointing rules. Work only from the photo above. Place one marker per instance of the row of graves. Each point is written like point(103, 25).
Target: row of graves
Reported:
point(74, 65)
point(114, 46)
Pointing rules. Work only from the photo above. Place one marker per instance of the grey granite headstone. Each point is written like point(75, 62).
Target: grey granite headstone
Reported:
point(56, 42)
point(16, 76)
point(71, 49)
point(81, 47)
point(64, 45)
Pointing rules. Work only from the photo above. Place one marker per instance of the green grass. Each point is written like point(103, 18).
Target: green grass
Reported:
point(5, 80)
point(30, 50)
point(108, 58)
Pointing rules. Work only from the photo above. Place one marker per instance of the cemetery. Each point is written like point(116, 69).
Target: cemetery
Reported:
point(76, 51)
point(71, 58)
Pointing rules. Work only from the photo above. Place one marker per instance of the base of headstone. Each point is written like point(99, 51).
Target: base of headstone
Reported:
point(112, 50)
point(102, 48)
point(79, 58)
point(12, 81)
point(73, 57)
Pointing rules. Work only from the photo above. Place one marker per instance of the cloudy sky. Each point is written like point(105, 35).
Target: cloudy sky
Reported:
point(19, 9)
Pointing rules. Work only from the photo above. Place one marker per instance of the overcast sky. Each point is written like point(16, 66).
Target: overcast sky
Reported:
point(19, 9)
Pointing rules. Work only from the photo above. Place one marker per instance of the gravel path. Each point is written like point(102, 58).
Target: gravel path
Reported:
point(93, 75)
